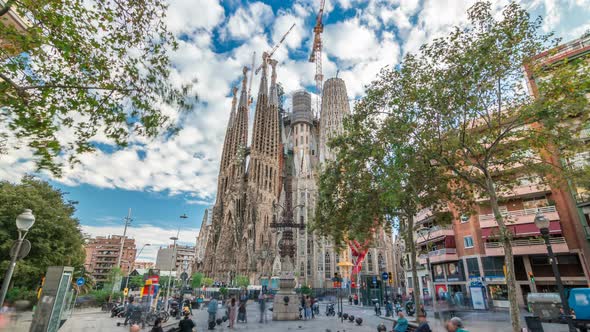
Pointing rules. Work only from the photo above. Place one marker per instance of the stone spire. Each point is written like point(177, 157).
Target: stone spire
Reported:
point(335, 107)
point(261, 105)
point(226, 154)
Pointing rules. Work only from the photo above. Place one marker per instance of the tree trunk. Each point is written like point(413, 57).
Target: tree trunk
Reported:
point(508, 256)
point(416, 281)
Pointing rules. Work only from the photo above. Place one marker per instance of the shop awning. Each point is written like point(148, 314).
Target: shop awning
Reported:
point(522, 230)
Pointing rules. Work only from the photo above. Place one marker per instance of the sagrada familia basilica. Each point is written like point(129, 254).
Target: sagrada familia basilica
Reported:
point(272, 178)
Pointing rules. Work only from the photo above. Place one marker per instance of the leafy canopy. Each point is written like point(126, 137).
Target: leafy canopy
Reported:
point(79, 70)
point(55, 237)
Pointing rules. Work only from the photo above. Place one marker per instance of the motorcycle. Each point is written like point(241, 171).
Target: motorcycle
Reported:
point(174, 309)
point(330, 310)
point(377, 307)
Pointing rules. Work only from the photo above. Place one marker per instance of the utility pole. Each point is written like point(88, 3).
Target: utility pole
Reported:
point(127, 222)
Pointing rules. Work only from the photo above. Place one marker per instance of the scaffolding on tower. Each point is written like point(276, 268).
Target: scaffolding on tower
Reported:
point(316, 55)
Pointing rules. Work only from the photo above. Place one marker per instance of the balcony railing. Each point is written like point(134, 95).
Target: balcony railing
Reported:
point(527, 242)
point(518, 213)
point(425, 235)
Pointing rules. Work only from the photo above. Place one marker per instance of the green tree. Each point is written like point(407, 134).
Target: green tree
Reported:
point(136, 282)
point(89, 281)
point(207, 282)
point(93, 67)
point(242, 281)
point(197, 280)
point(55, 237)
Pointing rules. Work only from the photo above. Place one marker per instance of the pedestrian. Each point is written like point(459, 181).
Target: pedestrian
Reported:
point(212, 309)
point(422, 324)
point(307, 307)
point(350, 299)
point(187, 324)
point(131, 307)
point(422, 310)
point(455, 324)
point(401, 325)
point(262, 306)
point(232, 308)
point(157, 325)
point(134, 328)
point(242, 312)
point(356, 299)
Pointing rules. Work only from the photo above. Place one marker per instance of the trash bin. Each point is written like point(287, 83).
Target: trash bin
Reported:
point(533, 324)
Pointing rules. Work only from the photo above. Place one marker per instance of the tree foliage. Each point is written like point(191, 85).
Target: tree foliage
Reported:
point(85, 69)
point(197, 280)
point(55, 237)
point(207, 282)
point(242, 281)
point(136, 282)
point(456, 112)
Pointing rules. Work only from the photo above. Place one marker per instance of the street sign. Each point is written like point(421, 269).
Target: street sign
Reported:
point(25, 248)
point(374, 280)
point(80, 281)
point(384, 275)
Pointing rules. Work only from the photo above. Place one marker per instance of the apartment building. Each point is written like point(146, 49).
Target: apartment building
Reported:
point(185, 259)
point(468, 252)
point(102, 253)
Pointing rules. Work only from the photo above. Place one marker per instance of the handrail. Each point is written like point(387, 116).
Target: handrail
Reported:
point(519, 213)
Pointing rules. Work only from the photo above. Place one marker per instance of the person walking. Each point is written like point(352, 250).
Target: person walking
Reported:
point(401, 324)
point(232, 308)
point(242, 312)
point(212, 309)
point(307, 307)
point(422, 324)
point(187, 324)
point(455, 324)
point(262, 306)
point(157, 325)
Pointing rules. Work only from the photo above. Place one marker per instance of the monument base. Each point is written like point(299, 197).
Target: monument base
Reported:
point(286, 302)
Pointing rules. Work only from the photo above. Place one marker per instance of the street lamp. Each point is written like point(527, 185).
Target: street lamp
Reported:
point(24, 222)
point(543, 224)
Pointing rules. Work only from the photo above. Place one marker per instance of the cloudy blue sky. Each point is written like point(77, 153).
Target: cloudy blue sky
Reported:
point(166, 177)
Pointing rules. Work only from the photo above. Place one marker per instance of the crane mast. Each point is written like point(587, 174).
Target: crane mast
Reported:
point(316, 55)
point(272, 51)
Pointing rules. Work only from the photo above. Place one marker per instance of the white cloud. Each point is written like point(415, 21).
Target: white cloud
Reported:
point(249, 21)
point(185, 16)
point(143, 234)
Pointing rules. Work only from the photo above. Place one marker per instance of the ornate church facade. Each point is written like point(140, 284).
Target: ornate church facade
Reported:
point(275, 178)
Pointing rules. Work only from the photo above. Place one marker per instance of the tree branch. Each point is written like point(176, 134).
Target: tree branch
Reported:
point(6, 7)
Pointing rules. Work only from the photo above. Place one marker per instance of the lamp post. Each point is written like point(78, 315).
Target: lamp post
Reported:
point(24, 222)
point(543, 224)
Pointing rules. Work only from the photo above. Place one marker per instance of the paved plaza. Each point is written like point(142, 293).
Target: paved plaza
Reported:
point(93, 320)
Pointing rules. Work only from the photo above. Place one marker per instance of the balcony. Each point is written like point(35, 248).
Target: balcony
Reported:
point(521, 191)
point(441, 255)
point(423, 215)
point(433, 234)
point(531, 246)
point(519, 216)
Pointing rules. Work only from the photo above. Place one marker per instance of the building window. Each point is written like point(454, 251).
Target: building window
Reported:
point(473, 267)
point(468, 242)
point(328, 266)
point(370, 262)
point(381, 263)
point(493, 266)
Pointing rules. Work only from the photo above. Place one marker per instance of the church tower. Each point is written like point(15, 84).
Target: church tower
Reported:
point(264, 173)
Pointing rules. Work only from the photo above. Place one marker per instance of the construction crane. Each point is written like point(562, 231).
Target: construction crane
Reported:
point(269, 54)
point(316, 54)
point(249, 99)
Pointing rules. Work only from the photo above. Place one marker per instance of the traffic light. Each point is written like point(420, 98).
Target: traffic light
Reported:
point(390, 279)
point(531, 277)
